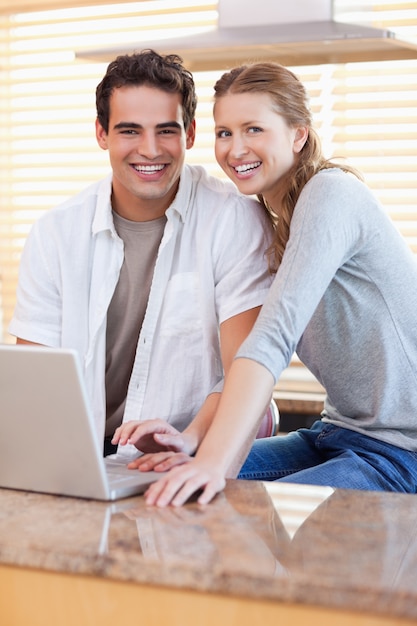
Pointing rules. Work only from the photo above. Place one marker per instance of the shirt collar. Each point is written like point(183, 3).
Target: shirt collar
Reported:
point(182, 200)
point(103, 218)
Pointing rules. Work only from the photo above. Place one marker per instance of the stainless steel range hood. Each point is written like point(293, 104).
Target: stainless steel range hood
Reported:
point(291, 32)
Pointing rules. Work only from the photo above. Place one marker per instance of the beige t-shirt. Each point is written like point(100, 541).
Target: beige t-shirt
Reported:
point(127, 309)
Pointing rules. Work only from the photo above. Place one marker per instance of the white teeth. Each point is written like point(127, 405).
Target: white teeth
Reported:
point(240, 169)
point(149, 168)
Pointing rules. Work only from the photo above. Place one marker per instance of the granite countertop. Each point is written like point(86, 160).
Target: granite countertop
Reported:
point(300, 544)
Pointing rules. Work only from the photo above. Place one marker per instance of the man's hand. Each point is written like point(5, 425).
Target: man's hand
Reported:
point(153, 436)
point(159, 461)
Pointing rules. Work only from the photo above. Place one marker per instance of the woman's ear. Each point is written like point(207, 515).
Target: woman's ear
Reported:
point(301, 136)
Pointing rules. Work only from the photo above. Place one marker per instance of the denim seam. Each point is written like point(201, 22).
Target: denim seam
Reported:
point(264, 475)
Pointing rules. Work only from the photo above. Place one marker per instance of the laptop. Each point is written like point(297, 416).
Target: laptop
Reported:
point(48, 441)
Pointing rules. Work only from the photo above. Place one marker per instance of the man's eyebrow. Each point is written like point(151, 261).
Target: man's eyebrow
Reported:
point(173, 124)
point(121, 125)
point(126, 125)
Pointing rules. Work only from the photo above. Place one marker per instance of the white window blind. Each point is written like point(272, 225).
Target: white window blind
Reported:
point(365, 112)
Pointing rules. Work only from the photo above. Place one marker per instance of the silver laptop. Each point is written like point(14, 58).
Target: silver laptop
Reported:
point(48, 441)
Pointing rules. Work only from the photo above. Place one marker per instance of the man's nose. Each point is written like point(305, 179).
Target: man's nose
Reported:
point(148, 146)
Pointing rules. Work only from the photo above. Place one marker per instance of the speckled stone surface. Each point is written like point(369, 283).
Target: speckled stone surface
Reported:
point(309, 545)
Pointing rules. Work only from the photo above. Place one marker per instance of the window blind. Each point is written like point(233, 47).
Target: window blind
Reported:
point(365, 112)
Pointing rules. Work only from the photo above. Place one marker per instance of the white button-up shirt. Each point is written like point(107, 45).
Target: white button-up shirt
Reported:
point(211, 265)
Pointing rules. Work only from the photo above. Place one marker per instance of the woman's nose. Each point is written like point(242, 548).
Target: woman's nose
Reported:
point(238, 147)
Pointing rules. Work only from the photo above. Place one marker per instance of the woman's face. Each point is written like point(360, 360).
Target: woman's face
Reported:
point(254, 145)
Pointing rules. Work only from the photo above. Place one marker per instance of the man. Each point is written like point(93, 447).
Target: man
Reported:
point(156, 274)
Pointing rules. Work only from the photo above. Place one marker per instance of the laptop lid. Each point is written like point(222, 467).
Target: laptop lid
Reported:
point(48, 441)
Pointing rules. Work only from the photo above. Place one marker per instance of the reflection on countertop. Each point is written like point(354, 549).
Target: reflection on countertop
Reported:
point(302, 544)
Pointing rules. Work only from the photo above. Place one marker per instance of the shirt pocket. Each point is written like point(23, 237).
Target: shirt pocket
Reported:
point(181, 312)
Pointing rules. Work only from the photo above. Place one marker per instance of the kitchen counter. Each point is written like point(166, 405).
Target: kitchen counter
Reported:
point(259, 552)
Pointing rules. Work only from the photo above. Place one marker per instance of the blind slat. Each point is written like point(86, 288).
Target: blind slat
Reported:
point(18, 6)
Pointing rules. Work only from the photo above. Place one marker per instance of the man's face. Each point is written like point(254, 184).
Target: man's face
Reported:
point(146, 141)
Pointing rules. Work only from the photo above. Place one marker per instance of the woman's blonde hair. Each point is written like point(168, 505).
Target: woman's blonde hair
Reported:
point(290, 100)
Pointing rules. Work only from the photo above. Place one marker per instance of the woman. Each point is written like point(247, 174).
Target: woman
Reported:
point(344, 298)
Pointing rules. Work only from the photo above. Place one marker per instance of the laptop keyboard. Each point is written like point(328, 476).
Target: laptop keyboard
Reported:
point(120, 481)
point(118, 474)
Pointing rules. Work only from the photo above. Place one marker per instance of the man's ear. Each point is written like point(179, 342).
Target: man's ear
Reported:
point(101, 136)
point(190, 136)
point(300, 138)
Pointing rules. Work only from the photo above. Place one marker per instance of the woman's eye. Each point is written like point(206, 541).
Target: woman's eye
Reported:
point(254, 129)
point(223, 133)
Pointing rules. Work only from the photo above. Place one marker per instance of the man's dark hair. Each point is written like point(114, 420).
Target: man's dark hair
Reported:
point(149, 68)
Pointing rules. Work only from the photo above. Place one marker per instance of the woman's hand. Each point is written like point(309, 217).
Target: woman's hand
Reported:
point(182, 482)
point(153, 436)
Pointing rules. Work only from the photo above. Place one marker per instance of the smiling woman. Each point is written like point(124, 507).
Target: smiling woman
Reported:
point(365, 112)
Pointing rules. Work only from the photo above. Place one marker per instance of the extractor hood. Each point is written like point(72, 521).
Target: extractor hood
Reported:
point(291, 32)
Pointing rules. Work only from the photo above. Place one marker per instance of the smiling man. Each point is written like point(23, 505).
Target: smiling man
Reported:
point(156, 274)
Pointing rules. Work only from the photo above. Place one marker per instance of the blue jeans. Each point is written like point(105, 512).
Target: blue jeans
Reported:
point(337, 457)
